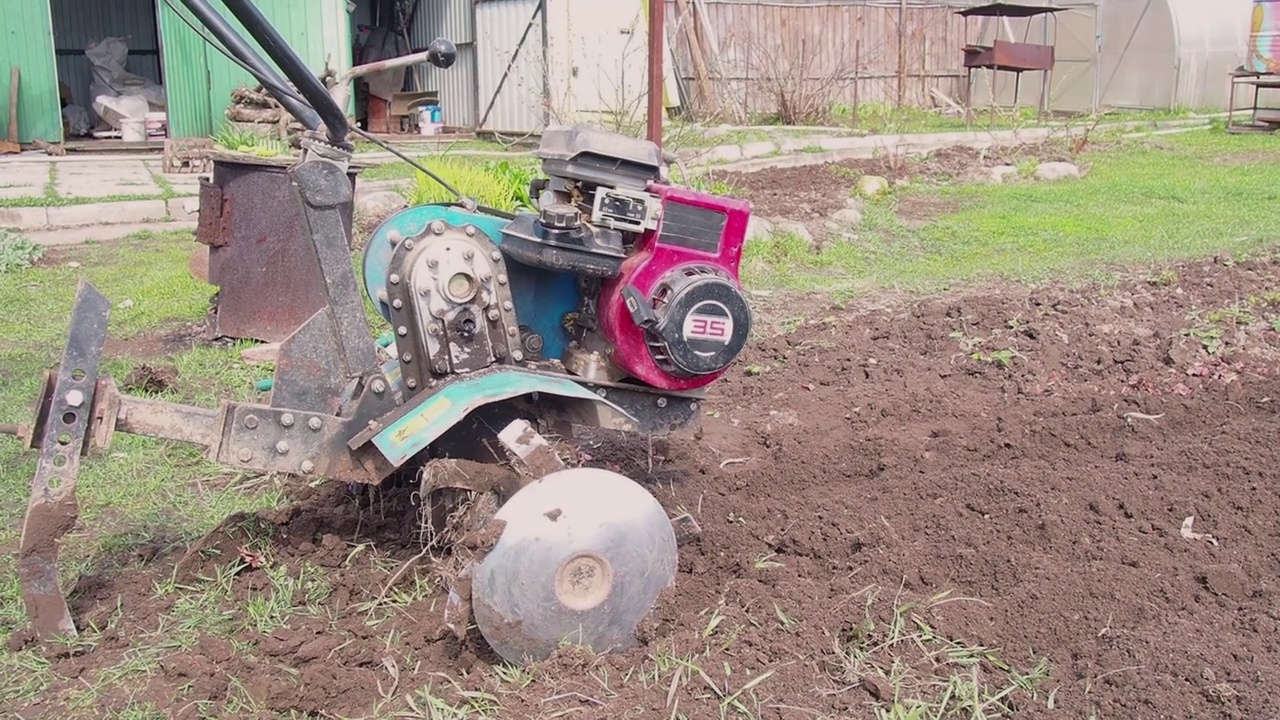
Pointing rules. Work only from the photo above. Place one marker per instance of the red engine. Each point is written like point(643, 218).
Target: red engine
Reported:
point(675, 315)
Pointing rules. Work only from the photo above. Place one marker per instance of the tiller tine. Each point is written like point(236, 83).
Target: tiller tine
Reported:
point(61, 433)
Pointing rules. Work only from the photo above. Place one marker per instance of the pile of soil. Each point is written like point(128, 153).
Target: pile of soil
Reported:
point(805, 193)
point(1033, 453)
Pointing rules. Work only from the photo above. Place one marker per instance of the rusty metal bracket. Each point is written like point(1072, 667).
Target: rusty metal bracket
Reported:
point(211, 226)
point(52, 509)
point(273, 439)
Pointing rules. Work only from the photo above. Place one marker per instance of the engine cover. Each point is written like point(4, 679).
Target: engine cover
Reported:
point(675, 315)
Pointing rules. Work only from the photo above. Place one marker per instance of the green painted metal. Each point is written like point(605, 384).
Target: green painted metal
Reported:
point(26, 42)
point(435, 414)
point(199, 79)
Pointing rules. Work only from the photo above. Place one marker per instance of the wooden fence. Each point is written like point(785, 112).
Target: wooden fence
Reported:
point(742, 58)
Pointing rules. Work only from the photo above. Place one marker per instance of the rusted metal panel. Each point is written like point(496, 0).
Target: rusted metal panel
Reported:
point(260, 258)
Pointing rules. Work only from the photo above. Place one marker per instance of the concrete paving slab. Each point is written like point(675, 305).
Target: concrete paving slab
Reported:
point(16, 184)
point(133, 211)
point(24, 218)
point(105, 178)
point(104, 233)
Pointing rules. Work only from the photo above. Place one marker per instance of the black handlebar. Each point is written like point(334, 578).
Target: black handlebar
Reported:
point(316, 106)
point(334, 119)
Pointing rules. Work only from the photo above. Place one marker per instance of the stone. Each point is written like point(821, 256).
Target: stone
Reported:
point(759, 229)
point(1054, 171)
point(782, 226)
point(997, 174)
point(871, 185)
point(380, 204)
point(846, 218)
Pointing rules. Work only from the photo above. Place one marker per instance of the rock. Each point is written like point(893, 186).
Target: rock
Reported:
point(856, 203)
point(1052, 171)
point(997, 174)
point(846, 218)
point(783, 226)
point(380, 204)
point(759, 229)
point(870, 185)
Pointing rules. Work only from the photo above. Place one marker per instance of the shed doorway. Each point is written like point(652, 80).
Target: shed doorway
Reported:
point(110, 72)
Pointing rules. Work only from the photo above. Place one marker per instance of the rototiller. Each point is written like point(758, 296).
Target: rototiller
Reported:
point(612, 305)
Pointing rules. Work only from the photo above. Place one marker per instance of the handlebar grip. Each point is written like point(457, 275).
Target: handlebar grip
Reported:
point(442, 53)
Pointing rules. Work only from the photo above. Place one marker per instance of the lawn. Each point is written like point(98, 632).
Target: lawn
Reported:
point(1143, 204)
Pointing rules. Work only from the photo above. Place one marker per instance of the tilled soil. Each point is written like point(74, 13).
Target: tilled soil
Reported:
point(990, 487)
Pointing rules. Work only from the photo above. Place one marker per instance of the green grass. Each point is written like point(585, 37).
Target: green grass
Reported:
point(142, 491)
point(1144, 203)
point(1176, 197)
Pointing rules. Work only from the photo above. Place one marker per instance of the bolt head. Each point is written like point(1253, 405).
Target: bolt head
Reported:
point(282, 447)
point(245, 455)
point(432, 262)
point(507, 306)
point(308, 467)
point(407, 357)
point(495, 256)
point(470, 230)
point(394, 279)
point(693, 406)
point(75, 398)
point(437, 227)
point(251, 421)
point(397, 303)
point(433, 329)
point(378, 387)
point(601, 392)
point(513, 331)
point(402, 331)
point(286, 419)
point(502, 279)
point(517, 356)
point(493, 315)
point(468, 254)
point(315, 424)
point(662, 402)
point(411, 383)
point(408, 244)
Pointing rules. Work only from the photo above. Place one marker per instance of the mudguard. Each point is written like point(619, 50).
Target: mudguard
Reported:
point(412, 428)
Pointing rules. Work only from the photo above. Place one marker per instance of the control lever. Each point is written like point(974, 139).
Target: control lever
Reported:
point(442, 53)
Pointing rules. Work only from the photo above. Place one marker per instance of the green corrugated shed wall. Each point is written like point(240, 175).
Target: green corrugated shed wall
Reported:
point(199, 79)
point(26, 41)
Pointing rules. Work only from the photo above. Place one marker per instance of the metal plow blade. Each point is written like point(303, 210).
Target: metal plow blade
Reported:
point(62, 436)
